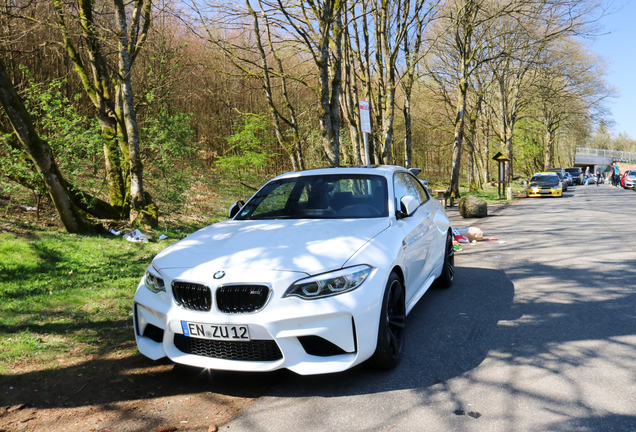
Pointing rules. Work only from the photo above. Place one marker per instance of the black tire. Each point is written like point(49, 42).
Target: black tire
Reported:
point(391, 330)
point(445, 280)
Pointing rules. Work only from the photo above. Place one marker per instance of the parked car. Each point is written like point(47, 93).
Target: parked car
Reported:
point(623, 179)
point(577, 175)
point(630, 179)
point(316, 273)
point(561, 173)
point(545, 184)
point(568, 179)
point(564, 183)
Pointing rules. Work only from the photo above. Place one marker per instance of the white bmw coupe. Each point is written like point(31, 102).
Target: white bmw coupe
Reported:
point(316, 273)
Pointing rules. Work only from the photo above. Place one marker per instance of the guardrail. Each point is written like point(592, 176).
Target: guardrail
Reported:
point(617, 155)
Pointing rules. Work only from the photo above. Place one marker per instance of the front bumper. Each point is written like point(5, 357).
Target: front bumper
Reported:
point(306, 336)
point(545, 192)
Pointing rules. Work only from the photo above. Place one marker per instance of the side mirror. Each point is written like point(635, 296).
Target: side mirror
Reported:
point(235, 208)
point(408, 205)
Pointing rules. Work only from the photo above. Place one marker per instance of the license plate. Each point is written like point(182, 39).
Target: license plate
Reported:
point(544, 192)
point(216, 331)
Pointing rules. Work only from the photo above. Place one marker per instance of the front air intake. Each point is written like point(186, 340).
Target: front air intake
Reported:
point(254, 350)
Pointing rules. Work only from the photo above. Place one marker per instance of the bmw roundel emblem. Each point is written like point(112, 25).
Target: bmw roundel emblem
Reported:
point(219, 274)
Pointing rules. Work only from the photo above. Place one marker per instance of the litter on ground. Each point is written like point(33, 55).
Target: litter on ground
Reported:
point(136, 236)
point(471, 235)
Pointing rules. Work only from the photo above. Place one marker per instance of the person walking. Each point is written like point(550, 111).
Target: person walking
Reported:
point(587, 176)
point(617, 175)
point(598, 177)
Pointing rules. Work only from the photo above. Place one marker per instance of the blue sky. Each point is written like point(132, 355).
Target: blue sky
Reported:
point(619, 50)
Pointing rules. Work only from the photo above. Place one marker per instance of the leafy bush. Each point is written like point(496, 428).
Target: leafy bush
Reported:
point(170, 157)
point(249, 152)
point(76, 140)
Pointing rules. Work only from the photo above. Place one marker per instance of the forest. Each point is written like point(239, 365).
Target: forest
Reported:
point(121, 110)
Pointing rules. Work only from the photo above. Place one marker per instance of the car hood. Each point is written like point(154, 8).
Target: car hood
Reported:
point(309, 245)
point(544, 183)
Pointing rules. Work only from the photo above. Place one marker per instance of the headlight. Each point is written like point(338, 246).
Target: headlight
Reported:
point(534, 188)
point(153, 281)
point(329, 284)
point(556, 187)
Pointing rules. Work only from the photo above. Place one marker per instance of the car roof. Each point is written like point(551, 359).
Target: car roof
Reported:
point(545, 173)
point(382, 170)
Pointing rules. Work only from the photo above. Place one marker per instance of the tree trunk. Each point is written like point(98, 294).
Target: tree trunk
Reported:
point(42, 156)
point(349, 97)
point(549, 147)
point(486, 151)
point(459, 136)
point(408, 149)
point(143, 210)
point(112, 161)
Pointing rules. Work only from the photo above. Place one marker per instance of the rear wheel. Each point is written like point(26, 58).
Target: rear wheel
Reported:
point(445, 280)
point(391, 329)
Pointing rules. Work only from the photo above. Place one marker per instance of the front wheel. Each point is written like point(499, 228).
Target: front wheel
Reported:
point(445, 280)
point(391, 329)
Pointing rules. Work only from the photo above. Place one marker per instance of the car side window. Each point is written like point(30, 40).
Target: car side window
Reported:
point(403, 186)
point(422, 194)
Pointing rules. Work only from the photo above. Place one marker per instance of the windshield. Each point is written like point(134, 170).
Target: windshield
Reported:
point(544, 180)
point(574, 171)
point(335, 196)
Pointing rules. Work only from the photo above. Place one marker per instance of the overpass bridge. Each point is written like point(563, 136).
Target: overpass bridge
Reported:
point(601, 158)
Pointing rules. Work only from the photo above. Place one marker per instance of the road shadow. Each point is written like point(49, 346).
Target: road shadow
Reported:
point(446, 336)
point(609, 422)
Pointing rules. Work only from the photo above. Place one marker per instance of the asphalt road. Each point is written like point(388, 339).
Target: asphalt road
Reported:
point(537, 334)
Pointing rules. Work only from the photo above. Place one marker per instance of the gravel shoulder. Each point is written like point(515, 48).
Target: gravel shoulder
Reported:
point(119, 394)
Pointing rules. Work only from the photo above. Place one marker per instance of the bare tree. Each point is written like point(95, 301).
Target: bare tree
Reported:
point(569, 92)
point(464, 36)
point(110, 90)
point(391, 33)
point(318, 26)
point(259, 35)
point(414, 48)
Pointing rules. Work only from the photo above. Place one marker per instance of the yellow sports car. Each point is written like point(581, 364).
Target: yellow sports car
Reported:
point(545, 184)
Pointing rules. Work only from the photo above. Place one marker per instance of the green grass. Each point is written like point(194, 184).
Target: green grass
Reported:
point(63, 293)
point(67, 298)
point(488, 193)
point(491, 195)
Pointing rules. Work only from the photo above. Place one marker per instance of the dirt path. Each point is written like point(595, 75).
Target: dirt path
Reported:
point(124, 394)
